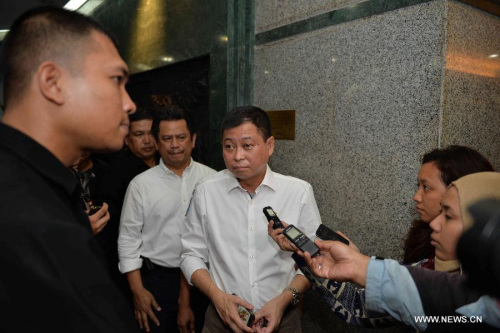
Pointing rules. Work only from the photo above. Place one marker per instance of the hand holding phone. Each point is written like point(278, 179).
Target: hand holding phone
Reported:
point(98, 220)
point(272, 216)
point(277, 236)
point(94, 209)
point(326, 233)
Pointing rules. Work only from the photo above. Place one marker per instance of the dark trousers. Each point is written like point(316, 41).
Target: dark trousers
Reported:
point(164, 284)
point(290, 322)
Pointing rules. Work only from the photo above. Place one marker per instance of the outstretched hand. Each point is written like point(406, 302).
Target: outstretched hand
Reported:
point(338, 262)
point(351, 243)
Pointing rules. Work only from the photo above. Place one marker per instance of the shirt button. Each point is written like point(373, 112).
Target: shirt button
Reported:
point(252, 256)
point(253, 285)
point(251, 228)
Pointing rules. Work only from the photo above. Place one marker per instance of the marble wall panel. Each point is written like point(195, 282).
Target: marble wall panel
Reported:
point(471, 111)
point(270, 14)
point(366, 95)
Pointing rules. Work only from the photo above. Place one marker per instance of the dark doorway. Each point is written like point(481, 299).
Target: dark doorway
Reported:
point(185, 84)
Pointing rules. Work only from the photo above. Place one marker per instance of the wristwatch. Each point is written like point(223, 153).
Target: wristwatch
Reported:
point(295, 294)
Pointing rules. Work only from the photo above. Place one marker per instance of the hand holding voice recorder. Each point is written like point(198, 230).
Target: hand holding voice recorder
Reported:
point(294, 235)
point(272, 216)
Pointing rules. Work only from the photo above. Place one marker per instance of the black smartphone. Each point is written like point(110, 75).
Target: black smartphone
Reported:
point(94, 209)
point(326, 233)
point(300, 240)
point(272, 216)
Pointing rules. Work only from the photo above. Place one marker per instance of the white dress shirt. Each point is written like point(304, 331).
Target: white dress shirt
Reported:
point(153, 214)
point(227, 228)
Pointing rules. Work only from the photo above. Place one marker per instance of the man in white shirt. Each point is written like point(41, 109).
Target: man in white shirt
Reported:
point(149, 243)
point(225, 226)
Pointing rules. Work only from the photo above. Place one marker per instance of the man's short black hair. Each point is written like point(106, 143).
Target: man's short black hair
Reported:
point(171, 113)
point(141, 114)
point(243, 114)
point(43, 34)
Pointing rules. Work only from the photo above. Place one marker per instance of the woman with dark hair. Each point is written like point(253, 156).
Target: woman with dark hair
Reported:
point(439, 168)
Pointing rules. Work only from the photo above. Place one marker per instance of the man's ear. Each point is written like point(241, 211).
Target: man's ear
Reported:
point(193, 139)
point(127, 140)
point(49, 81)
point(270, 145)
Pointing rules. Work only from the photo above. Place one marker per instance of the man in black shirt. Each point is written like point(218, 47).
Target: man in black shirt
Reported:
point(64, 91)
point(140, 140)
point(140, 155)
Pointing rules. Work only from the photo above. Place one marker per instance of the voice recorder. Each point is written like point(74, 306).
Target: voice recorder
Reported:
point(300, 240)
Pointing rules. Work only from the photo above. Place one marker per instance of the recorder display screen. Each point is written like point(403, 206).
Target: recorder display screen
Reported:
point(294, 233)
point(270, 212)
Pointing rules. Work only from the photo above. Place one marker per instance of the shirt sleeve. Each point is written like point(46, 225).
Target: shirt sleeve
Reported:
point(194, 245)
point(391, 289)
point(455, 296)
point(310, 219)
point(487, 308)
point(130, 234)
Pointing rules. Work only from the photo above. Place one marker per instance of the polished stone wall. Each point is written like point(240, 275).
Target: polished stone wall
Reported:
point(471, 103)
point(366, 94)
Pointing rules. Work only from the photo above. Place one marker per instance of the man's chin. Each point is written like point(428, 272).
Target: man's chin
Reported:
point(240, 175)
point(108, 148)
point(147, 156)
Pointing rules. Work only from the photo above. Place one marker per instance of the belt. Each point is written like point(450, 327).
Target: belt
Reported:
point(165, 269)
point(148, 265)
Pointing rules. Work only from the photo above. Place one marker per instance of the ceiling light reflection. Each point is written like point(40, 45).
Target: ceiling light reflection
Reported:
point(470, 64)
point(3, 33)
point(74, 4)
